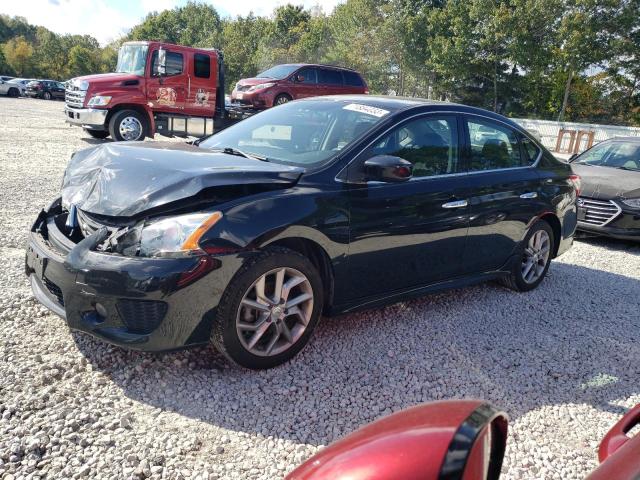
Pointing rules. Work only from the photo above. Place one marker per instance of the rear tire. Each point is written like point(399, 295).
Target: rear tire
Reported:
point(127, 125)
point(46, 96)
point(262, 330)
point(533, 262)
point(282, 98)
point(100, 134)
point(13, 92)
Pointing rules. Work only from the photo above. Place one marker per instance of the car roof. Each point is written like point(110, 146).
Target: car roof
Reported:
point(323, 65)
point(398, 104)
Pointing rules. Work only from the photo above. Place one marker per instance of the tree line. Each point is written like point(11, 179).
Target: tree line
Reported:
point(553, 59)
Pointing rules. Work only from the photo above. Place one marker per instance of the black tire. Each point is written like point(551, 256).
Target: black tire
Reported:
point(124, 116)
point(100, 134)
point(47, 96)
point(282, 98)
point(13, 92)
point(224, 334)
point(515, 280)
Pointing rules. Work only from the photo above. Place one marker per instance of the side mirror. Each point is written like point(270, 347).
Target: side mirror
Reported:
point(387, 168)
point(299, 78)
point(463, 439)
point(161, 68)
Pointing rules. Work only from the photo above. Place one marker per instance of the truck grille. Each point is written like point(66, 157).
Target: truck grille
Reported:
point(74, 98)
point(598, 212)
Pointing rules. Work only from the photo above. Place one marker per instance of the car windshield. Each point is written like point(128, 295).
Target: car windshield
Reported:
point(278, 72)
point(306, 133)
point(612, 154)
point(132, 59)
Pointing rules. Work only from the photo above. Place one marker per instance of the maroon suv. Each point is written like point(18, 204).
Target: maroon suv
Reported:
point(283, 83)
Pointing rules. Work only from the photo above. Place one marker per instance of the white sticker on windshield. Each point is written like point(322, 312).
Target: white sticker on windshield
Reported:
point(357, 107)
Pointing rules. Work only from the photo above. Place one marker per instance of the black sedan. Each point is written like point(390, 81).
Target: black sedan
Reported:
point(45, 89)
point(609, 203)
point(324, 205)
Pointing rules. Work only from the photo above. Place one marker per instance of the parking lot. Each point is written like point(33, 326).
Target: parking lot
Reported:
point(561, 360)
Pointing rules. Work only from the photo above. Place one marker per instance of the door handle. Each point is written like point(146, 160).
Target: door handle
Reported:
point(455, 204)
point(529, 195)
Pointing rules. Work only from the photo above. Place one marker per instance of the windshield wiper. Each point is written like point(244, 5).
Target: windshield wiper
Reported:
point(240, 153)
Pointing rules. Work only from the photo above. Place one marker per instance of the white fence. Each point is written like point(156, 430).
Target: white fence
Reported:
point(547, 131)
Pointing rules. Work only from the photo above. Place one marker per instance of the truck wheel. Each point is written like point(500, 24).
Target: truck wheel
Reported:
point(13, 92)
point(97, 133)
point(282, 98)
point(127, 125)
point(46, 96)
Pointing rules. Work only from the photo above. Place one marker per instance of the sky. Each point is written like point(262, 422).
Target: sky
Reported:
point(108, 19)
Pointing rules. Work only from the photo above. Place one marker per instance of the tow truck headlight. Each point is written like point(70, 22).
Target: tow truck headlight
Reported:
point(174, 236)
point(261, 86)
point(632, 202)
point(98, 101)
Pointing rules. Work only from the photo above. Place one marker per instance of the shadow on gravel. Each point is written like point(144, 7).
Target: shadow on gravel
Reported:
point(96, 141)
point(612, 244)
point(576, 339)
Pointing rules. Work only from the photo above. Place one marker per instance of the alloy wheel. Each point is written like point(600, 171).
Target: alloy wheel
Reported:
point(281, 100)
point(274, 312)
point(130, 128)
point(536, 256)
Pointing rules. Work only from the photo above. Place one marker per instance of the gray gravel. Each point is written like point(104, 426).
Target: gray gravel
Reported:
point(561, 360)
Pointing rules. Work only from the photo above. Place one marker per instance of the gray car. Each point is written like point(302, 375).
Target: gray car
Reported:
point(609, 202)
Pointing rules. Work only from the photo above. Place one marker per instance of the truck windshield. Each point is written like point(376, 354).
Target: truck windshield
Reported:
point(305, 133)
point(132, 59)
point(278, 72)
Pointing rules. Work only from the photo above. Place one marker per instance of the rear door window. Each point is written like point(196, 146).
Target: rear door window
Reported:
point(493, 146)
point(352, 79)
point(201, 65)
point(329, 77)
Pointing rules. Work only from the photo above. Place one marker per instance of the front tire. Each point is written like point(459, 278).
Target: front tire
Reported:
point(269, 309)
point(100, 134)
point(46, 96)
point(127, 125)
point(282, 98)
point(535, 257)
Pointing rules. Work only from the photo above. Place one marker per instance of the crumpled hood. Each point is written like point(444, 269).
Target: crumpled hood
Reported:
point(128, 178)
point(607, 183)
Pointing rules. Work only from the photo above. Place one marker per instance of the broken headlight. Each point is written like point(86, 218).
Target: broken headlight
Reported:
point(168, 236)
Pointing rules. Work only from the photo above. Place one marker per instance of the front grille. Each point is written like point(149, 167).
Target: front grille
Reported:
point(74, 98)
point(598, 212)
point(87, 224)
point(54, 289)
point(141, 316)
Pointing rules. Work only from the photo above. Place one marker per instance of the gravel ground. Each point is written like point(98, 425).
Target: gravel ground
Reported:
point(562, 361)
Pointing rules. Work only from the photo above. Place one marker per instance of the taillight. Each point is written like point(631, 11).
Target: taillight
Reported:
point(366, 91)
point(575, 179)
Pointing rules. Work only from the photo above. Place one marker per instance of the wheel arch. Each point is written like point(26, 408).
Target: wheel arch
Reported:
point(146, 113)
point(318, 257)
point(556, 227)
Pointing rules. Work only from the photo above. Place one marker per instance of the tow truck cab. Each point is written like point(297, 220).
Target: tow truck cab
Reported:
point(157, 88)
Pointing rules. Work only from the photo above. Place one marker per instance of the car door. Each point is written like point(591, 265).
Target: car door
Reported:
point(304, 83)
point(330, 81)
point(504, 192)
point(408, 234)
point(167, 93)
point(58, 90)
point(201, 85)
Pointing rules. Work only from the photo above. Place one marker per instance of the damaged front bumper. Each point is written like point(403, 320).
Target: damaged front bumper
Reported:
point(151, 304)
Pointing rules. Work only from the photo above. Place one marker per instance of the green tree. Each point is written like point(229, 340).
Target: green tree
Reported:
point(19, 55)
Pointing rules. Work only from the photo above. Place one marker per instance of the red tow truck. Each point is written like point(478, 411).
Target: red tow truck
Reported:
point(157, 88)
